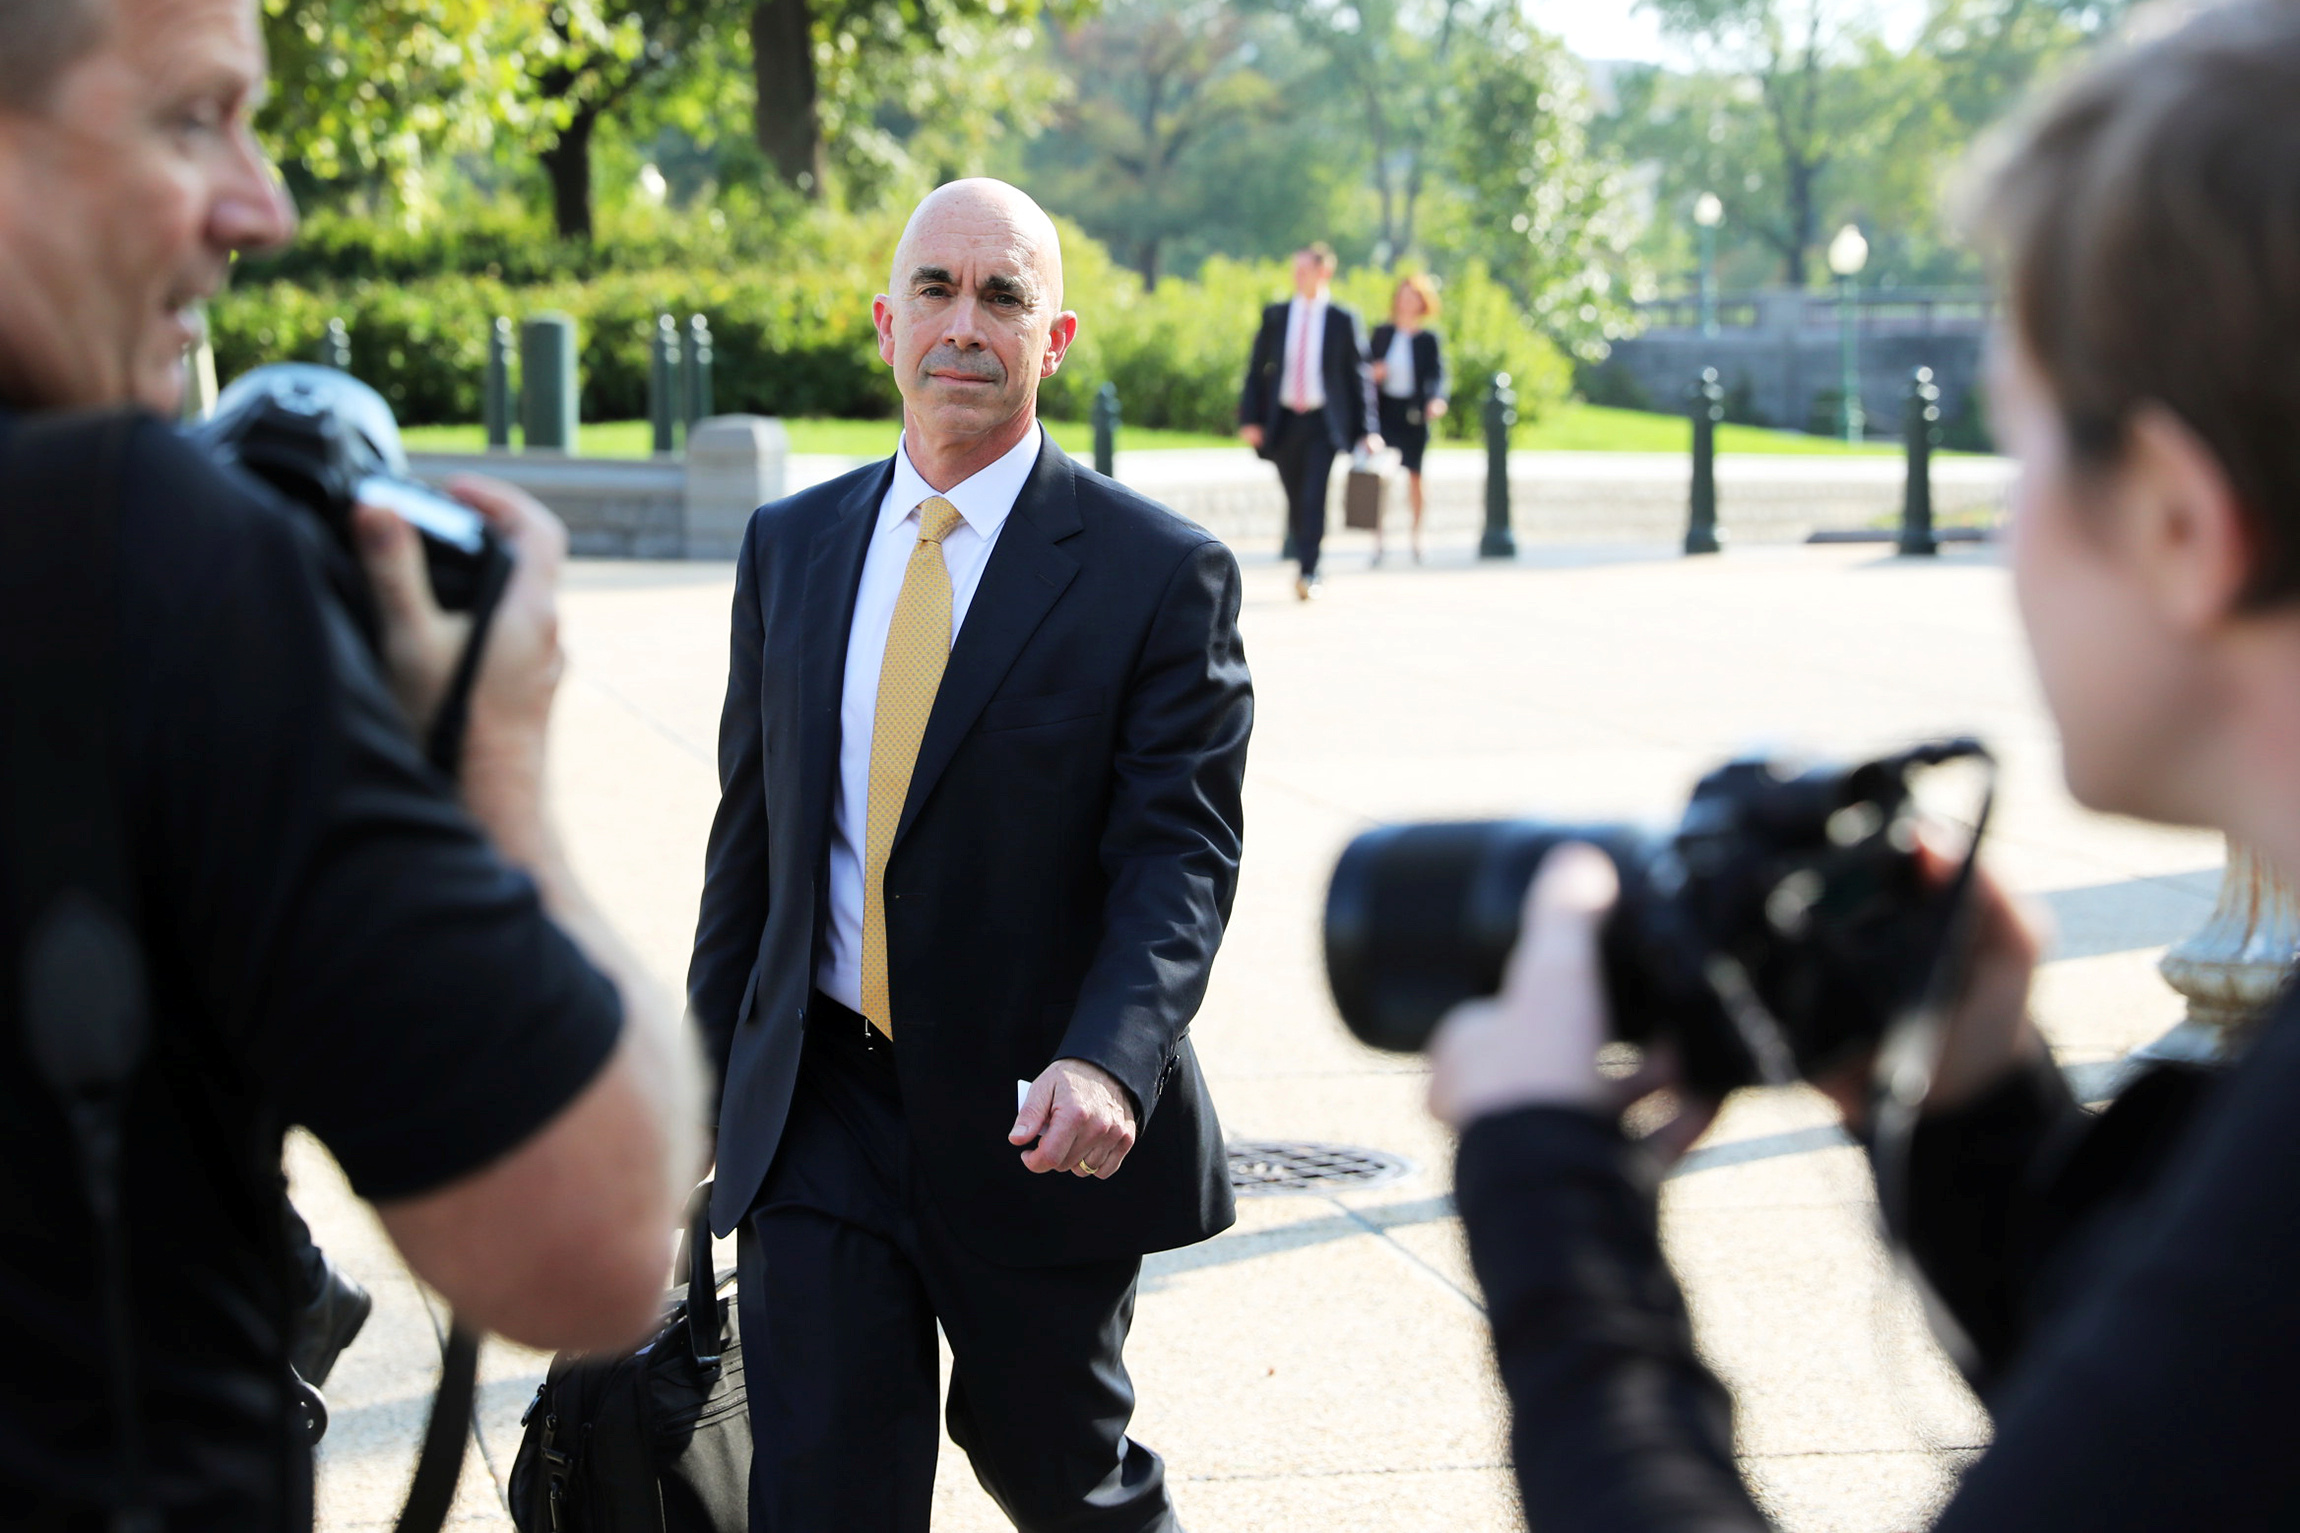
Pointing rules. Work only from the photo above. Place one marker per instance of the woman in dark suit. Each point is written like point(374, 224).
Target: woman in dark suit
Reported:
point(1412, 382)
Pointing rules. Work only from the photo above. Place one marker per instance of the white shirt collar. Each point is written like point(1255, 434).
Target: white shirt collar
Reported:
point(983, 501)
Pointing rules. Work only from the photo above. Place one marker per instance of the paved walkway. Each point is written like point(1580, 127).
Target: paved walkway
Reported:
point(1323, 1366)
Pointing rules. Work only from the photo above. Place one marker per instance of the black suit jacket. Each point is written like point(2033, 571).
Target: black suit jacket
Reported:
point(1431, 379)
point(1061, 873)
point(1349, 383)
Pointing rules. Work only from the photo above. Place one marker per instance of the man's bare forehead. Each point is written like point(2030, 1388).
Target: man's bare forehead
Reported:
point(193, 44)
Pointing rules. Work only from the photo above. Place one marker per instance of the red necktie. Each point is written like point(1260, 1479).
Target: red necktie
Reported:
point(1297, 370)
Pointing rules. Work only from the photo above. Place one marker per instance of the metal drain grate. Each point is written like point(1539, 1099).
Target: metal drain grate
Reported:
point(1259, 1166)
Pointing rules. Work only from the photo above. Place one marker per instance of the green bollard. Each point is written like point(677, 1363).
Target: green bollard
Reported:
point(698, 356)
point(547, 395)
point(335, 346)
point(1707, 409)
point(1500, 414)
point(663, 391)
point(1106, 430)
point(1924, 433)
point(495, 405)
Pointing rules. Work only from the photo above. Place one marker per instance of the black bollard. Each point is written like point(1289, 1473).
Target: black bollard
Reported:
point(1106, 430)
point(698, 363)
point(1924, 433)
point(663, 386)
point(495, 407)
point(335, 346)
point(1707, 407)
point(1500, 414)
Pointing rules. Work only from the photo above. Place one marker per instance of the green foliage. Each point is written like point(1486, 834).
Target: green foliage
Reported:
point(1543, 214)
point(516, 244)
point(1802, 117)
point(369, 90)
point(793, 336)
point(918, 92)
point(1178, 353)
point(786, 343)
point(1162, 91)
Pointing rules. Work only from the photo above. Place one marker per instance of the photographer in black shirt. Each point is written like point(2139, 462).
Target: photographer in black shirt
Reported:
point(331, 935)
point(2125, 1281)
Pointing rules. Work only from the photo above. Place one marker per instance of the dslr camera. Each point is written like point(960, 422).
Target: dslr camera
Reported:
point(1782, 927)
point(328, 443)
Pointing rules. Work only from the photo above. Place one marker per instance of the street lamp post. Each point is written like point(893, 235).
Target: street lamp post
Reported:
point(1848, 253)
point(1708, 213)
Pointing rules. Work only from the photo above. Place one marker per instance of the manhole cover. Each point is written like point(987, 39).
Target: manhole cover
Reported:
point(1265, 1166)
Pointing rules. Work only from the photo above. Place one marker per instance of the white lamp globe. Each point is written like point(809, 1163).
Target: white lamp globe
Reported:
point(1848, 252)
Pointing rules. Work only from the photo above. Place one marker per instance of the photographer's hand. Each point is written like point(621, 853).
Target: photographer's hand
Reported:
point(1536, 1043)
point(502, 768)
point(421, 640)
point(518, 677)
point(1989, 1033)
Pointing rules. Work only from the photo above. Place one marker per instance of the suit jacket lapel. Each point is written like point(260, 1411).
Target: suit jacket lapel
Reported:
point(826, 610)
point(1025, 576)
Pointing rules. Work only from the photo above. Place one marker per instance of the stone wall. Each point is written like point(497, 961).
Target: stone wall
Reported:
point(691, 507)
point(1781, 352)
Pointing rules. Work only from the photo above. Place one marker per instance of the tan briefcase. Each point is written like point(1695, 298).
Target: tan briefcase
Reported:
point(1362, 499)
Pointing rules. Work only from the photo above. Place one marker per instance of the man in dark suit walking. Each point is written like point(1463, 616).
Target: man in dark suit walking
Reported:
point(981, 759)
point(1309, 394)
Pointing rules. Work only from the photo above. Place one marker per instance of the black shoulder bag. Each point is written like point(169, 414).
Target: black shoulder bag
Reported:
point(85, 1011)
point(655, 1441)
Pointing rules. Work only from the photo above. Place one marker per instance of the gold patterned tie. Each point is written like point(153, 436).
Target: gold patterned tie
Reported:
point(917, 650)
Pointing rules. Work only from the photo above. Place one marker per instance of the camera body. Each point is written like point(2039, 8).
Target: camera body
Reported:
point(1778, 929)
point(329, 443)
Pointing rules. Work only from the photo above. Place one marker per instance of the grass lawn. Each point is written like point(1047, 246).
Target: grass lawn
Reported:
point(1573, 428)
point(1601, 428)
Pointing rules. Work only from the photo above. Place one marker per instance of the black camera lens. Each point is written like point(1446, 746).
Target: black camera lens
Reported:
point(1420, 918)
point(1784, 924)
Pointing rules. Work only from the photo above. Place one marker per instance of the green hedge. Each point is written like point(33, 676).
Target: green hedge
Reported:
point(797, 339)
point(780, 347)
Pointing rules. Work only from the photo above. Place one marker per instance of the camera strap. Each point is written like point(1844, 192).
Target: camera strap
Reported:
point(1907, 1057)
point(81, 997)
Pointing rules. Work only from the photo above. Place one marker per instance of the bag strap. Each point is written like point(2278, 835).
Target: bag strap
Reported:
point(694, 1264)
point(81, 999)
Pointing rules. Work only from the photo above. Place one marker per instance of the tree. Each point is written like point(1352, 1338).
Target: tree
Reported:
point(1156, 86)
point(1388, 59)
point(585, 64)
point(371, 90)
point(815, 62)
point(1529, 199)
point(1802, 119)
point(1786, 49)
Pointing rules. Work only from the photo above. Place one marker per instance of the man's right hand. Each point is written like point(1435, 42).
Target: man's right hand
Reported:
point(502, 775)
point(1251, 436)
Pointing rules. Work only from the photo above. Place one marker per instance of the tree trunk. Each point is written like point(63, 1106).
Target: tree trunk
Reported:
point(1146, 262)
point(568, 163)
point(1800, 222)
point(786, 115)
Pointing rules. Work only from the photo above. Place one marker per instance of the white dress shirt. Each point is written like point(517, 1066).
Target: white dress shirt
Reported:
point(1398, 377)
point(983, 503)
point(1299, 312)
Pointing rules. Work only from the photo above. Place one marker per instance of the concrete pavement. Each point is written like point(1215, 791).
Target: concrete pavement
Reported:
point(1323, 1365)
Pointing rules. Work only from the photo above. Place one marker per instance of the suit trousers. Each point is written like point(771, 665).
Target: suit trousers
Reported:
point(845, 1267)
point(1304, 452)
